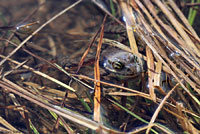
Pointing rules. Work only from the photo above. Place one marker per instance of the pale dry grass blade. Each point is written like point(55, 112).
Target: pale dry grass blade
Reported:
point(159, 108)
point(178, 27)
point(40, 28)
point(150, 66)
point(9, 126)
point(182, 17)
point(77, 118)
point(127, 10)
point(157, 74)
point(41, 74)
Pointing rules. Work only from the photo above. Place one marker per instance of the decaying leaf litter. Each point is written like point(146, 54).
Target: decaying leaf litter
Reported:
point(68, 92)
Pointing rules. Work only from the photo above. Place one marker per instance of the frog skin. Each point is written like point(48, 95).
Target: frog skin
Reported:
point(124, 63)
point(121, 62)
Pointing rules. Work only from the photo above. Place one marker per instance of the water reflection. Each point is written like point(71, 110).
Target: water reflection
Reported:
point(27, 28)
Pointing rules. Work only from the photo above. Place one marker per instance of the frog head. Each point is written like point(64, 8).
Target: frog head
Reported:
point(121, 62)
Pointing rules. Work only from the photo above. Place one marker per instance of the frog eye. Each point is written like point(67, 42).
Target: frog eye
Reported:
point(117, 65)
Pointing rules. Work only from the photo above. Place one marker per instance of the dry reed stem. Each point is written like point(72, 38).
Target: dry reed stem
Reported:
point(142, 31)
point(185, 122)
point(97, 93)
point(37, 30)
point(182, 17)
point(155, 25)
point(159, 108)
point(150, 66)
point(127, 10)
point(39, 100)
point(187, 41)
point(172, 33)
point(53, 65)
point(134, 92)
point(152, 43)
point(42, 74)
point(9, 126)
point(125, 48)
point(157, 73)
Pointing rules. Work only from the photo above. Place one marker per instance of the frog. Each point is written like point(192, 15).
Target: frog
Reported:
point(121, 62)
point(122, 67)
point(125, 65)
